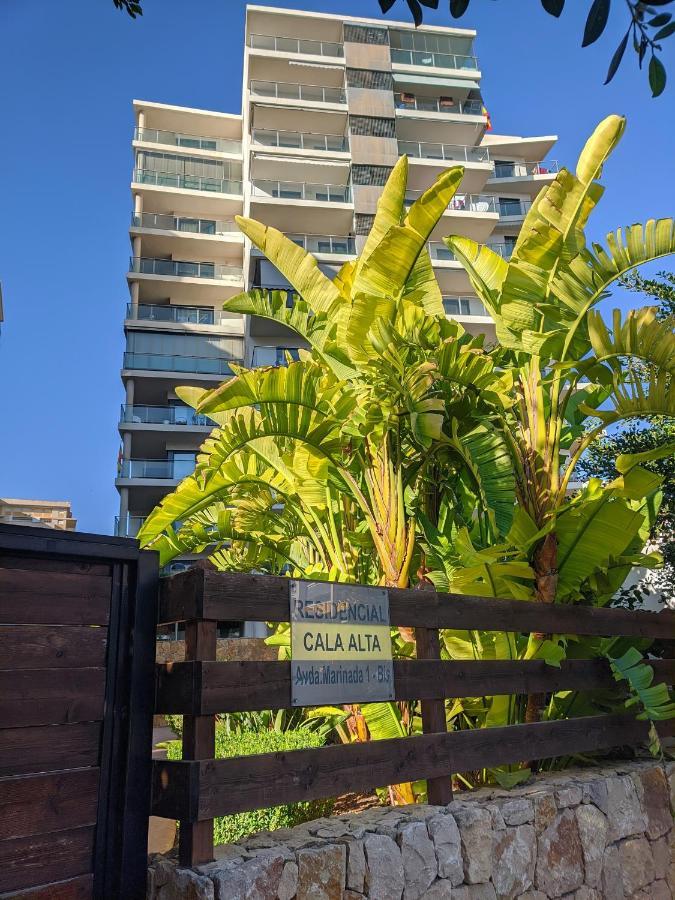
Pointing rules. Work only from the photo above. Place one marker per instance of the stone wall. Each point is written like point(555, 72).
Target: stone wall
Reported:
point(582, 835)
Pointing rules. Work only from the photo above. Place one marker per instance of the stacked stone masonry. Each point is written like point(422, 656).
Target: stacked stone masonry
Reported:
point(580, 835)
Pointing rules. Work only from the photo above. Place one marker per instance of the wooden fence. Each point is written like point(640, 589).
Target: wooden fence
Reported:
point(77, 642)
point(198, 788)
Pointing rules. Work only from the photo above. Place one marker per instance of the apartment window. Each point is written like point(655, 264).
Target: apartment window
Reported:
point(372, 126)
point(457, 306)
point(430, 42)
point(370, 79)
point(199, 345)
point(509, 206)
point(188, 165)
point(365, 34)
point(363, 223)
point(374, 175)
point(504, 168)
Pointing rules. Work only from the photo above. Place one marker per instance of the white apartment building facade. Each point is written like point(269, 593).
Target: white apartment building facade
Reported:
point(328, 106)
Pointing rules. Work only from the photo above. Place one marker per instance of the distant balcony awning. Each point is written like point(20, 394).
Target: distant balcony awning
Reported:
point(465, 84)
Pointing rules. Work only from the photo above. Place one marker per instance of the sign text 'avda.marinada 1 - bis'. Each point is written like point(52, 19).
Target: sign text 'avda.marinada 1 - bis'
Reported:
point(340, 644)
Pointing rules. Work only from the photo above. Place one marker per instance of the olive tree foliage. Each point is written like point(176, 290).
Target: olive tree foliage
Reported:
point(647, 26)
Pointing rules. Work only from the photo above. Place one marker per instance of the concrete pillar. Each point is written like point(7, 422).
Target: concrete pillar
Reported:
point(124, 509)
point(130, 385)
point(135, 287)
point(138, 208)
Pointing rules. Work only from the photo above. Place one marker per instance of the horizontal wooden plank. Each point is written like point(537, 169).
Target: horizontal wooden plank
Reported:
point(47, 647)
point(73, 566)
point(39, 804)
point(221, 596)
point(51, 696)
point(35, 860)
point(53, 598)
point(79, 888)
point(224, 786)
point(27, 540)
point(203, 688)
point(49, 748)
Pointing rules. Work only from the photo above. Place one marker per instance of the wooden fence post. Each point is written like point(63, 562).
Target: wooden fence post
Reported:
point(199, 742)
point(439, 790)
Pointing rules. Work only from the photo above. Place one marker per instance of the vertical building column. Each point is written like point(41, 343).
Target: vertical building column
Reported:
point(124, 510)
point(135, 286)
point(129, 399)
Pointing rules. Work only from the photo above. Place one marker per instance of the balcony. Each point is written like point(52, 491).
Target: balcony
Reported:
point(513, 209)
point(320, 244)
point(163, 415)
point(449, 152)
point(439, 105)
point(464, 306)
point(159, 469)
point(300, 140)
point(439, 252)
point(188, 182)
point(502, 248)
point(273, 356)
point(295, 45)
point(309, 93)
point(188, 141)
point(176, 315)
point(128, 526)
point(463, 203)
point(526, 169)
point(186, 224)
point(295, 190)
point(173, 268)
point(164, 362)
point(432, 59)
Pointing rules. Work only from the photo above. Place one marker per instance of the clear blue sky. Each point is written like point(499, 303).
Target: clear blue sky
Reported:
point(69, 72)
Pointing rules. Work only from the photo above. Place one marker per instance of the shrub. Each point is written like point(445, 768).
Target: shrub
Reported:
point(231, 828)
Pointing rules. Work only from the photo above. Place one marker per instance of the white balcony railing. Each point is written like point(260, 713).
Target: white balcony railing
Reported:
point(295, 45)
point(464, 306)
point(477, 203)
point(292, 190)
point(187, 224)
point(526, 169)
point(187, 141)
point(174, 268)
point(428, 150)
point(176, 315)
point(188, 182)
point(432, 59)
point(311, 93)
point(439, 104)
point(301, 140)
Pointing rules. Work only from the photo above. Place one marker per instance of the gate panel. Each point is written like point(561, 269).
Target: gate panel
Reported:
point(77, 640)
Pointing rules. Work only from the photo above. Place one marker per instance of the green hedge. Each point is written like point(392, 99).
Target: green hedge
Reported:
point(231, 828)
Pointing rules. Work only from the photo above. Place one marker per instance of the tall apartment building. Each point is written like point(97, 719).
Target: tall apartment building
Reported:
point(41, 513)
point(328, 105)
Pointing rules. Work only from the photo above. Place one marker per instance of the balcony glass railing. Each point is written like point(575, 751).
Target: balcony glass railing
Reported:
point(189, 141)
point(293, 190)
point(440, 104)
point(188, 182)
point(433, 59)
point(157, 468)
point(503, 249)
point(426, 150)
point(128, 526)
point(166, 312)
point(438, 251)
point(301, 140)
point(509, 208)
point(295, 45)
point(325, 243)
point(464, 306)
point(480, 203)
point(175, 268)
point(273, 356)
point(526, 169)
point(133, 414)
point(188, 224)
point(165, 362)
point(281, 90)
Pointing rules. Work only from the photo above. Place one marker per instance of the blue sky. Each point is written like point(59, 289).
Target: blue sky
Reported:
point(69, 72)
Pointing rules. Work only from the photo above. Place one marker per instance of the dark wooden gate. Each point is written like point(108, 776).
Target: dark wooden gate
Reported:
point(77, 642)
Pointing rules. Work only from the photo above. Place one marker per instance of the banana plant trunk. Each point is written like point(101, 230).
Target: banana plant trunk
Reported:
point(545, 565)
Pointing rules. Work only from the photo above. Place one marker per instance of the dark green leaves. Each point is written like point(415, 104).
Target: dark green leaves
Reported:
point(596, 21)
point(657, 76)
point(133, 7)
point(665, 32)
point(553, 7)
point(458, 8)
point(616, 59)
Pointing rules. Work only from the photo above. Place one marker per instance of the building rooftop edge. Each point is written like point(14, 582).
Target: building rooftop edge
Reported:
point(445, 29)
point(189, 109)
point(26, 502)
